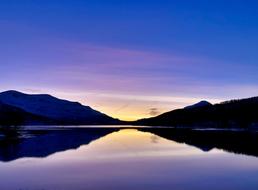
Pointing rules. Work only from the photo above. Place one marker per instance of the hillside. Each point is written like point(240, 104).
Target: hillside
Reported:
point(46, 109)
point(236, 113)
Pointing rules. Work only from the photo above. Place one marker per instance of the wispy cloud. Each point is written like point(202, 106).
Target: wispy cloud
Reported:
point(154, 112)
point(124, 82)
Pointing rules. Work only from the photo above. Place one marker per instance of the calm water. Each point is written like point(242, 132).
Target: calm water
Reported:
point(120, 159)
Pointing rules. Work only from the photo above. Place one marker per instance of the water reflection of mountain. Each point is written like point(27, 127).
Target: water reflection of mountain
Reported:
point(42, 143)
point(239, 142)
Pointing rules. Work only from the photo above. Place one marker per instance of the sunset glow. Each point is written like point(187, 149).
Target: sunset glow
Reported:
point(130, 59)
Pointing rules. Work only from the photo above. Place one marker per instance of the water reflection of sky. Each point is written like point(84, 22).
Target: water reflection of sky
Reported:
point(130, 159)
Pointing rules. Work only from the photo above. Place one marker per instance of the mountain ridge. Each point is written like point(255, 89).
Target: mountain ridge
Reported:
point(199, 104)
point(241, 113)
point(43, 109)
point(53, 110)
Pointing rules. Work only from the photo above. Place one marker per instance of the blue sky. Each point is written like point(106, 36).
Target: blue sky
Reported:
point(126, 57)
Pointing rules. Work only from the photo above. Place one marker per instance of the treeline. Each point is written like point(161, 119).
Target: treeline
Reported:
point(10, 115)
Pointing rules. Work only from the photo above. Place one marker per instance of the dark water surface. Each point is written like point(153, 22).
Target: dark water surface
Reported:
point(143, 158)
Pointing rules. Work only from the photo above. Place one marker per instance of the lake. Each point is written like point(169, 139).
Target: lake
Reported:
point(136, 159)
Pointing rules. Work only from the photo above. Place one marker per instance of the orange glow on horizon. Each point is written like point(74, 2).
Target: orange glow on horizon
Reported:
point(131, 107)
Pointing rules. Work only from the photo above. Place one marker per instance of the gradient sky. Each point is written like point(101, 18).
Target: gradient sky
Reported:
point(130, 58)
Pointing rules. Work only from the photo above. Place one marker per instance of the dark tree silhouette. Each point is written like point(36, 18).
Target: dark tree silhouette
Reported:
point(235, 113)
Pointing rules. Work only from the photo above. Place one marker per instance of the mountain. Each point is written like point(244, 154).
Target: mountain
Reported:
point(10, 115)
point(46, 109)
point(198, 105)
point(236, 113)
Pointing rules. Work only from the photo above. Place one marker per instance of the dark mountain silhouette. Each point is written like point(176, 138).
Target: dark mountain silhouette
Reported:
point(17, 107)
point(10, 115)
point(199, 105)
point(236, 113)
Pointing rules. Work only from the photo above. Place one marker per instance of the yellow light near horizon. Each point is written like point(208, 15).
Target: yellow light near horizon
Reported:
point(129, 107)
point(129, 116)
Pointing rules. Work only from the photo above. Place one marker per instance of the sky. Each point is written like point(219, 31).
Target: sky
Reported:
point(130, 59)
